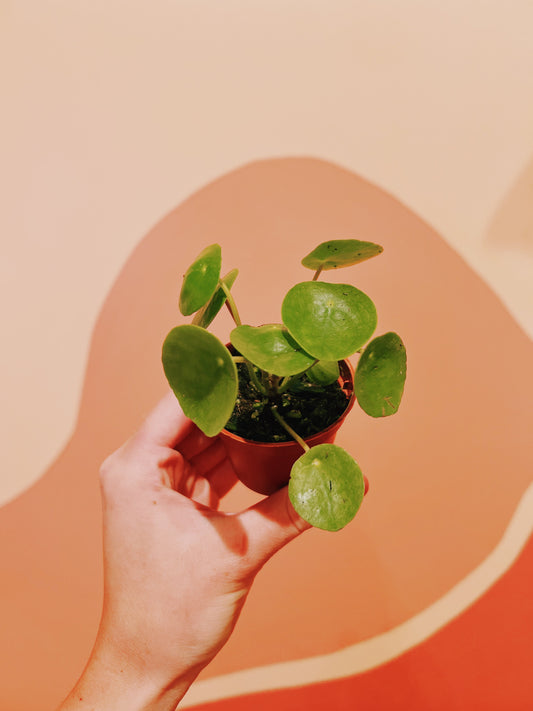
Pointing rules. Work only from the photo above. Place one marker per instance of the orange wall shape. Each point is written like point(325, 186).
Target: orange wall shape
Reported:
point(481, 660)
point(447, 472)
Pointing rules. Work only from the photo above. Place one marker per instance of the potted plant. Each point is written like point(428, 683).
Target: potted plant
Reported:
point(278, 388)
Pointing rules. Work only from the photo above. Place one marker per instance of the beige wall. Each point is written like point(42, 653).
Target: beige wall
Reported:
point(113, 112)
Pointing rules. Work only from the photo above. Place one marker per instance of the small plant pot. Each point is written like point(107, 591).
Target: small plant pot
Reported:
point(265, 467)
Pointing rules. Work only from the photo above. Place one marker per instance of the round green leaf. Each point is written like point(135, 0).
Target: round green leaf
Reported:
point(200, 280)
point(326, 487)
point(380, 375)
point(271, 348)
point(203, 376)
point(325, 372)
point(340, 253)
point(329, 321)
point(207, 313)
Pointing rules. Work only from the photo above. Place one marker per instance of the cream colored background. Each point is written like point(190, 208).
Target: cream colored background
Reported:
point(113, 112)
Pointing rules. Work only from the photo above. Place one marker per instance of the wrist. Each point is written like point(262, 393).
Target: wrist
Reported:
point(108, 685)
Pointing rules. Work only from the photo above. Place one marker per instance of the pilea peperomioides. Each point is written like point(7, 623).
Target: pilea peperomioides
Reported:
point(321, 324)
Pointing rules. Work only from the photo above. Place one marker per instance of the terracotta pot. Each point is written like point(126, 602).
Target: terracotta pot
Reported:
point(265, 466)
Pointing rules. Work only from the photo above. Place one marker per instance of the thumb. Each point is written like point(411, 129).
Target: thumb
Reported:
point(269, 525)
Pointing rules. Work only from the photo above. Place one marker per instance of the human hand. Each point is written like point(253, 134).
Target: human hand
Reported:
point(176, 570)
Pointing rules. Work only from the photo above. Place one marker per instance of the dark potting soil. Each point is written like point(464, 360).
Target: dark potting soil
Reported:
point(308, 408)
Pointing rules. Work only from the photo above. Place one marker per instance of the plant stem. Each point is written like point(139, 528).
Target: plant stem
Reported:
point(289, 378)
point(273, 384)
point(317, 273)
point(255, 380)
point(289, 429)
point(231, 304)
point(234, 311)
point(285, 384)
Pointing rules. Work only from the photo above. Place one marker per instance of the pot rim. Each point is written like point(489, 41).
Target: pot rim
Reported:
point(346, 380)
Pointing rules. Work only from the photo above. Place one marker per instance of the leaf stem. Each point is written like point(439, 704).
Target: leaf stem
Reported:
point(289, 429)
point(234, 311)
point(255, 380)
point(289, 378)
point(285, 384)
point(317, 273)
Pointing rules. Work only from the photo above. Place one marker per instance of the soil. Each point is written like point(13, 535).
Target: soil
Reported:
point(308, 408)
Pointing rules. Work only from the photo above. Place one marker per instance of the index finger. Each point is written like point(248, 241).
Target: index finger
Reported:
point(166, 425)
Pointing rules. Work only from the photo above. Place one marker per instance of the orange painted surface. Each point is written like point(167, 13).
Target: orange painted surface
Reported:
point(446, 472)
point(481, 660)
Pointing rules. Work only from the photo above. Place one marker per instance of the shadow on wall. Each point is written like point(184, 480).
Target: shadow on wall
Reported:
point(512, 223)
point(458, 451)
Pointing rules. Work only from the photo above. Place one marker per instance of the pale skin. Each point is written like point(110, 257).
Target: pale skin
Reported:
point(176, 570)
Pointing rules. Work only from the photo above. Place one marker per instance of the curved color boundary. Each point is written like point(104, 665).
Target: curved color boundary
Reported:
point(383, 648)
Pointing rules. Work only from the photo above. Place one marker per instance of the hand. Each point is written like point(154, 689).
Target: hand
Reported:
point(177, 571)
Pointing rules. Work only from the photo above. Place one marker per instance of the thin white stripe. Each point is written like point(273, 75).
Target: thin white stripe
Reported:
point(373, 652)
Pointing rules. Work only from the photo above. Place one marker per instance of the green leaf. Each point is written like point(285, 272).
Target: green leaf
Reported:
point(207, 313)
point(200, 280)
point(271, 348)
point(380, 375)
point(325, 372)
point(340, 253)
point(326, 487)
point(203, 376)
point(329, 321)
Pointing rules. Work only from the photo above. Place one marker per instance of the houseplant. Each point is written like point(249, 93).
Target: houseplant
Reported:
point(276, 369)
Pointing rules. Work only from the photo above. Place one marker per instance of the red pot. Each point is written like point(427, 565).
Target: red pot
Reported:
point(266, 466)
